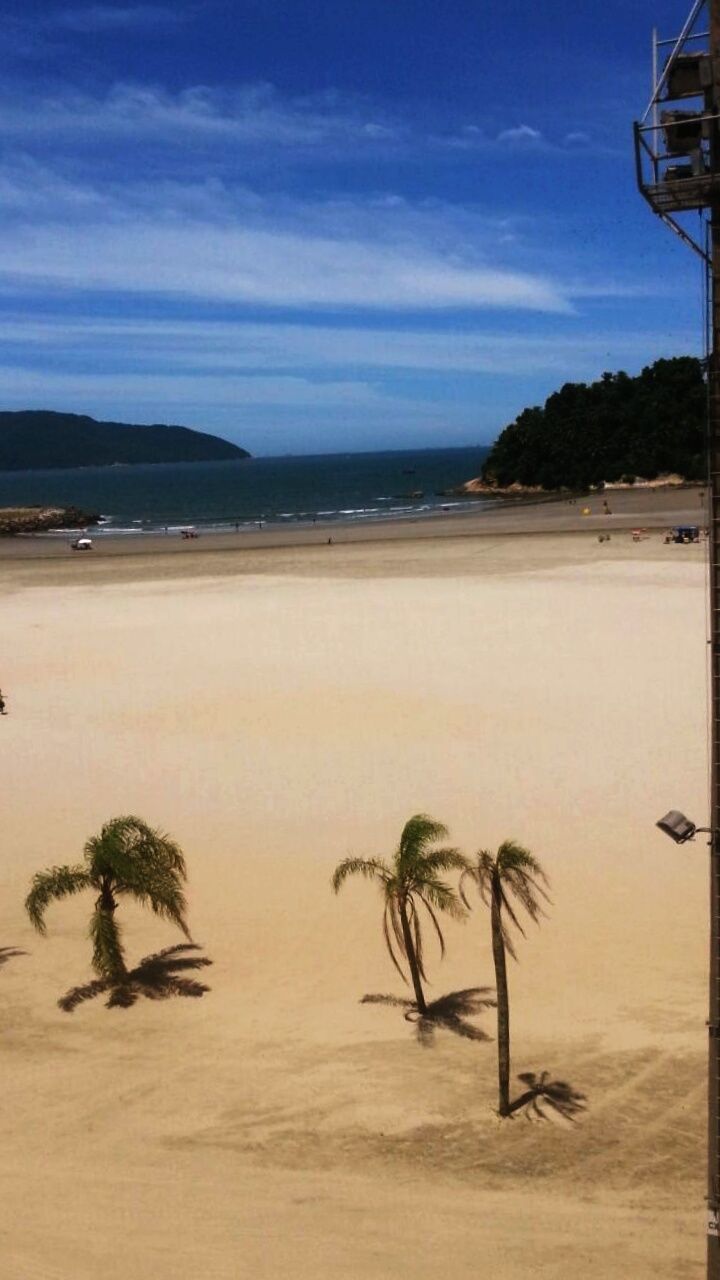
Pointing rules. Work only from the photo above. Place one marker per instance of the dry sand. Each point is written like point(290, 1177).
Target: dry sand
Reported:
point(276, 712)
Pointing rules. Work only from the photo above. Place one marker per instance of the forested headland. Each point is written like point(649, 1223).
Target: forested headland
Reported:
point(41, 438)
point(619, 427)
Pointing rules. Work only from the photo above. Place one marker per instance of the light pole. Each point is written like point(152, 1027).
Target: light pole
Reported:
point(678, 172)
point(681, 829)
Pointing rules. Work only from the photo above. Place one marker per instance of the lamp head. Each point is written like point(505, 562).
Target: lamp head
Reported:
point(677, 826)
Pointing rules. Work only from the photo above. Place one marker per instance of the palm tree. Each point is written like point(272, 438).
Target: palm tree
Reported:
point(128, 858)
point(511, 873)
point(410, 881)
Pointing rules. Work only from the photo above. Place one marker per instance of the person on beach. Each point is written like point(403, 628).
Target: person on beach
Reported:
point(3, 709)
point(606, 508)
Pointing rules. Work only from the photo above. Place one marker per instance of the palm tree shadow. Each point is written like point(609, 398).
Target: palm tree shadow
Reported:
point(451, 1012)
point(544, 1098)
point(9, 953)
point(156, 977)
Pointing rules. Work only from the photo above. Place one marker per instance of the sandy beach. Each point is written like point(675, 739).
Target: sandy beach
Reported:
point(278, 707)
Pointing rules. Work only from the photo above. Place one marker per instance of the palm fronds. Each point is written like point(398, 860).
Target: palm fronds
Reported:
point(419, 832)
point(370, 868)
point(392, 932)
point(412, 880)
point(513, 876)
point(144, 863)
point(46, 886)
point(126, 858)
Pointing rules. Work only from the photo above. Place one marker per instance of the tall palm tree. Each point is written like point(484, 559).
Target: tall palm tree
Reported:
point(127, 859)
point(412, 880)
point(509, 878)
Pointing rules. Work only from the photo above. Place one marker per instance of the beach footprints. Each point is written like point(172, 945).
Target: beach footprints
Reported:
point(127, 859)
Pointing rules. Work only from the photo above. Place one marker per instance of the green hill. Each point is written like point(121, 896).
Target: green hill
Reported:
point(39, 438)
point(620, 426)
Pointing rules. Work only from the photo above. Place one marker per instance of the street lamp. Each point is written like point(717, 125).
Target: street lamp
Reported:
point(678, 827)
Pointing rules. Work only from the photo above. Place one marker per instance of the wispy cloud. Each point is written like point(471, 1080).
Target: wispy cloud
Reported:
point(520, 133)
point(215, 244)
point(265, 267)
point(254, 114)
point(214, 348)
point(176, 389)
point(109, 17)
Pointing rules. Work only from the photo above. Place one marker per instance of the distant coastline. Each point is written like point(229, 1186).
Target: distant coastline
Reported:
point(41, 439)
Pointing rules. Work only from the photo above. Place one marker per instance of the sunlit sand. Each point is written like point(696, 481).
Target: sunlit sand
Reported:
point(276, 717)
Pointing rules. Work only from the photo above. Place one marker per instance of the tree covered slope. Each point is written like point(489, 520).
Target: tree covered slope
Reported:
point(620, 426)
point(36, 438)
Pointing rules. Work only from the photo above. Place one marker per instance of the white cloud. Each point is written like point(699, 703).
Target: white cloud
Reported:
point(523, 133)
point(252, 115)
point(266, 267)
point(175, 389)
point(210, 242)
point(110, 17)
point(212, 349)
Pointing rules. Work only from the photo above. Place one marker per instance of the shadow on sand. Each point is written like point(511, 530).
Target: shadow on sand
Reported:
point(156, 978)
point(450, 1012)
point(545, 1097)
point(8, 953)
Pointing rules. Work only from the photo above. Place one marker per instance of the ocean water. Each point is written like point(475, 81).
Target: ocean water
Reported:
point(322, 488)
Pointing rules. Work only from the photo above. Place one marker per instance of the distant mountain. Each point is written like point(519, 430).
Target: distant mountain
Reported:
point(39, 438)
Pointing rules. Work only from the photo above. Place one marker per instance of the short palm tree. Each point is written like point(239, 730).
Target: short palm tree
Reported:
point(127, 859)
point(509, 878)
point(411, 881)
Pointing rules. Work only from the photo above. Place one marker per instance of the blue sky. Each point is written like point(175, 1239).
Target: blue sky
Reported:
point(317, 226)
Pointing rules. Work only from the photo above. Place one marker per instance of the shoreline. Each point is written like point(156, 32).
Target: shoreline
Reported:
point(650, 509)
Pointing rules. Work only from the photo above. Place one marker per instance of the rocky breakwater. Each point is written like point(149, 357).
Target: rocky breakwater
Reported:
point(14, 520)
point(479, 488)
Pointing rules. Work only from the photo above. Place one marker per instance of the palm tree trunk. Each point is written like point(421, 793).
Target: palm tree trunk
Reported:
point(108, 958)
point(503, 1003)
point(411, 958)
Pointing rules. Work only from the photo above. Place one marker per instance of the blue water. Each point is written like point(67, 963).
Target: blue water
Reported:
point(327, 487)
